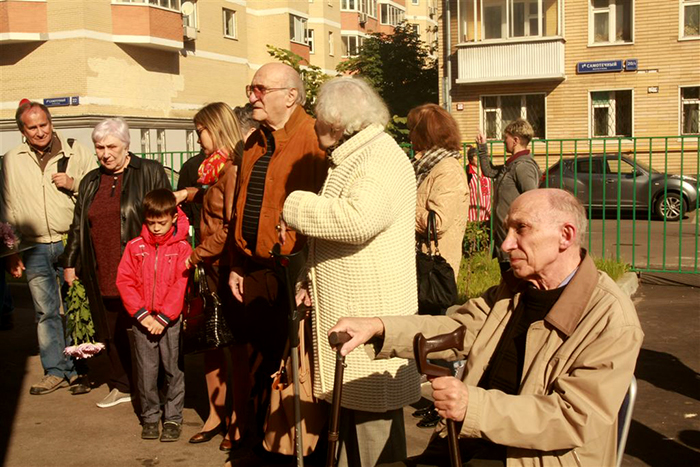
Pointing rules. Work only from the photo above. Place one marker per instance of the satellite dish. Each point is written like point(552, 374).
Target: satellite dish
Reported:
point(187, 8)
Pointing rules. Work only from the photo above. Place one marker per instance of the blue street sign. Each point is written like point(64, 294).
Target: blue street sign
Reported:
point(75, 100)
point(57, 101)
point(602, 66)
point(631, 64)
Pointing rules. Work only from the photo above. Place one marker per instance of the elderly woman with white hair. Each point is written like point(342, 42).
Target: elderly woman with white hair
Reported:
point(361, 263)
point(107, 215)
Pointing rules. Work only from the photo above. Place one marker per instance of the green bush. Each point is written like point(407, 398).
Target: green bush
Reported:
point(477, 238)
point(476, 274)
point(614, 268)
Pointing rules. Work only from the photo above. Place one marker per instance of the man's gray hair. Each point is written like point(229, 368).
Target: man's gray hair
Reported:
point(112, 127)
point(350, 103)
point(569, 207)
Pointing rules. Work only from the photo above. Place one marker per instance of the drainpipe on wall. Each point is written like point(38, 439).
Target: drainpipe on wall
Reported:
point(447, 79)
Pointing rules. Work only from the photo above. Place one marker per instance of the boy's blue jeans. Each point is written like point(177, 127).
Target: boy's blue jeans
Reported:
point(45, 278)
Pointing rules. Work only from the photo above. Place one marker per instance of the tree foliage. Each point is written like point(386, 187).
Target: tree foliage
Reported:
point(400, 68)
point(312, 75)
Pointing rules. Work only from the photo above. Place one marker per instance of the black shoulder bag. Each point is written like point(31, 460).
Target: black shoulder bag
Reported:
point(437, 287)
point(204, 326)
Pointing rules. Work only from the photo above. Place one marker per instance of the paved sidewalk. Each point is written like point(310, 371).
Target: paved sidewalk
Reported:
point(61, 430)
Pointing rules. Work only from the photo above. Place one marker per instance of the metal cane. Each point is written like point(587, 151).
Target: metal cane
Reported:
point(336, 339)
point(421, 348)
point(289, 266)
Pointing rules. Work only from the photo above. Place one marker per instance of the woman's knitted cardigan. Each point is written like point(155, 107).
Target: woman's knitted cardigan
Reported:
point(361, 263)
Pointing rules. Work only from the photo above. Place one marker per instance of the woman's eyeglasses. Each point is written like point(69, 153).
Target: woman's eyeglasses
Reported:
point(259, 90)
point(199, 131)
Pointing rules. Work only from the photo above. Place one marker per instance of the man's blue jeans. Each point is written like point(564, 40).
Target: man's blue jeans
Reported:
point(45, 278)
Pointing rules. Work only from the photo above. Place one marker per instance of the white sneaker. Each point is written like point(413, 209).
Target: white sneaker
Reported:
point(113, 398)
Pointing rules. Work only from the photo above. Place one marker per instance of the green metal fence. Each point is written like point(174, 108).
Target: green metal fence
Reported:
point(632, 195)
point(641, 195)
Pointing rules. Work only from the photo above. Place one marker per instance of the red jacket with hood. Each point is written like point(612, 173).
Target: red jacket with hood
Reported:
point(152, 277)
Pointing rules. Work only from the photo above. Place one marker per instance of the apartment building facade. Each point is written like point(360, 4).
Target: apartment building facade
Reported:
point(360, 18)
point(152, 62)
point(576, 69)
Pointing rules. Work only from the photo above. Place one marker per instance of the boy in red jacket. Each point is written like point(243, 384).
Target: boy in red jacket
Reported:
point(152, 279)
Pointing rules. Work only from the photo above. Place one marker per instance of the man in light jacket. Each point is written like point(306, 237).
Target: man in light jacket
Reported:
point(550, 351)
point(39, 183)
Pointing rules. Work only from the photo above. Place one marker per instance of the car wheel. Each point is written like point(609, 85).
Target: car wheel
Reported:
point(670, 206)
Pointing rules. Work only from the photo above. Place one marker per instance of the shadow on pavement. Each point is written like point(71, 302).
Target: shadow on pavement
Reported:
point(15, 348)
point(656, 450)
point(665, 371)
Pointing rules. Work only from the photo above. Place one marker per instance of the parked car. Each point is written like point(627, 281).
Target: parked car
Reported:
point(594, 181)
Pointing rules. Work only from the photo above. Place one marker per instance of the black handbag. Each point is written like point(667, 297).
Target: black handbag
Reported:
point(204, 326)
point(437, 287)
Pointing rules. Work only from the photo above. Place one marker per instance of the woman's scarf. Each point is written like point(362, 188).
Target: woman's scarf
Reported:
point(211, 167)
point(430, 159)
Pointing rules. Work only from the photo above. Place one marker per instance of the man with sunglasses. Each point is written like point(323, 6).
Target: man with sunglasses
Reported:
point(280, 157)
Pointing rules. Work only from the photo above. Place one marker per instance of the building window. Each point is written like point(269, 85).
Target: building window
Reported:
point(416, 28)
point(297, 29)
point(230, 29)
point(169, 4)
point(690, 110)
point(611, 113)
point(363, 6)
point(415, 2)
point(390, 15)
point(507, 19)
point(351, 45)
point(499, 111)
point(330, 44)
point(310, 40)
point(611, 21)
point(690, 18)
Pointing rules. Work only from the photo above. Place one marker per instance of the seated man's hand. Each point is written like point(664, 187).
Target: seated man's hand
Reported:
point(361, 330)
point(451, 397)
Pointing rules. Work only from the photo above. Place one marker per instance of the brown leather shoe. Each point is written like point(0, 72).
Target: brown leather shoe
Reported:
point(227, 445)
point(204, 436)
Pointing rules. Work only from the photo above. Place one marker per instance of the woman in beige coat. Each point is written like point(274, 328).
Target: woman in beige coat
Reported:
point(440, 178)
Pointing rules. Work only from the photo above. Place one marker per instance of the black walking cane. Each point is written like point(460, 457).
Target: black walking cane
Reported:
point(336, 339)
point(421, 348)
point(289, 267)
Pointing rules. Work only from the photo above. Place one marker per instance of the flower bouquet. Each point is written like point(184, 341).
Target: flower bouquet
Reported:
point(10, 241)
point(79, 324)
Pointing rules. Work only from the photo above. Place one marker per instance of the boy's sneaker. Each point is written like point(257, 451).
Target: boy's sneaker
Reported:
point(48, 384)
point(150, 431)
point(113, 398)
point(171, 432)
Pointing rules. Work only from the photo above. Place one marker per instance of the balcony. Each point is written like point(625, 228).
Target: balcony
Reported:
point(23, 22)
point(510, 61)
point(147, 26)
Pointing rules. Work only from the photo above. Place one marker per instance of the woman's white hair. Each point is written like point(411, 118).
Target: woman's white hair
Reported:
point(112, 127)
point(351, 104)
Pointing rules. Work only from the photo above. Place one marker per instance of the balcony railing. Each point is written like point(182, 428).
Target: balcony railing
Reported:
point(508, 61)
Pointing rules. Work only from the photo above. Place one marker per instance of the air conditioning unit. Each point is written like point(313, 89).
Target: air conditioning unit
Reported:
point(432, 11)
point(362, 17)
point(189, 33)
